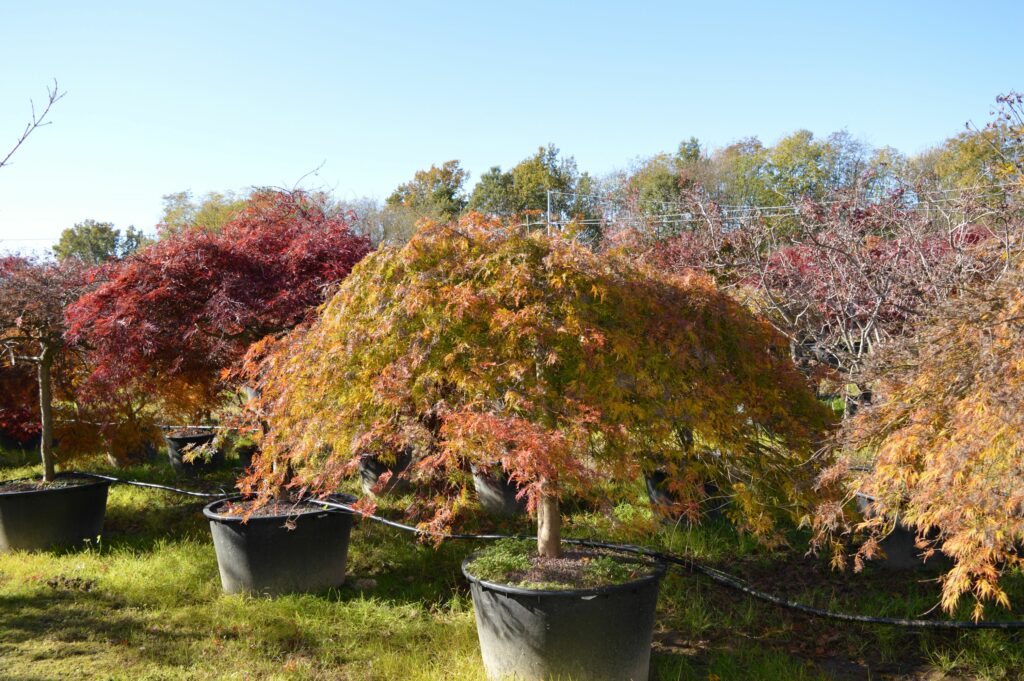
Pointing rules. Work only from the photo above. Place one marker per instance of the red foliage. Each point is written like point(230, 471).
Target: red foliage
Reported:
point(19, 403)
point(178, 313)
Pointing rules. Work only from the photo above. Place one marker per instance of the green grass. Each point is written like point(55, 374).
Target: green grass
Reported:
point(146, 603)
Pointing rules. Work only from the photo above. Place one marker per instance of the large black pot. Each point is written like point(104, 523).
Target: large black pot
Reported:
point(371, 468)
point(246, 453)
point(179, 445)
point(496, 493)
point(660, 497)
point(601, 634)
point(281, 553)
point(52, 517)
point(900, 545)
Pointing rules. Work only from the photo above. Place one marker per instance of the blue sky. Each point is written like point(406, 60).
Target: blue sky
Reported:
point(163, 97)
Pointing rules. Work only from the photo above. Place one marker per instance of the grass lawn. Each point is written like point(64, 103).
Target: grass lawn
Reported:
point(146, 603)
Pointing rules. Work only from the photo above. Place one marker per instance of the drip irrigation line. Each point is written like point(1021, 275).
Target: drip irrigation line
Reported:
point(715, 575)
point(153, 485)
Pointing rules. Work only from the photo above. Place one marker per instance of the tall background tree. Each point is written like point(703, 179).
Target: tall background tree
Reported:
point(211, 212)
point(436, 194)
point(95, 243)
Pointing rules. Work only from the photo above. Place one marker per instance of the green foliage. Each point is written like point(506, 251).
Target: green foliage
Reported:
point(211, 212)
point(98, 242)
point(525, 187)
point(436, 193)
point(482, 343)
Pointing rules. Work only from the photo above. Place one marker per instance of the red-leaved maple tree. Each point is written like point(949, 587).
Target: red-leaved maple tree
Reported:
point(33, 296)
point(174, 316)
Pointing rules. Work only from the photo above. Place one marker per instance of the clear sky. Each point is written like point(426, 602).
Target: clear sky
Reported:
point(217, 95)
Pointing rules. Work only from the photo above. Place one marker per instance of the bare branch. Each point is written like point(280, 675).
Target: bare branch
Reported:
point(53, 95)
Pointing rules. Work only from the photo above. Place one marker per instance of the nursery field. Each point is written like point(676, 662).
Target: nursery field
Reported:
point(146, 603)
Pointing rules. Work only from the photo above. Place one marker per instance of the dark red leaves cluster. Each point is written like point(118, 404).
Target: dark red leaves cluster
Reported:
point(182, 310)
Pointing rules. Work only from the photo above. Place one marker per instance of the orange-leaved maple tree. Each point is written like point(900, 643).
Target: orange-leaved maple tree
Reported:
point(945, 441)
point(481, 343)
point(173, 317)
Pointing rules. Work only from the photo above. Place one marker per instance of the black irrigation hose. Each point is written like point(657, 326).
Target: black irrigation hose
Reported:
point(711, 573)
point(153, 485)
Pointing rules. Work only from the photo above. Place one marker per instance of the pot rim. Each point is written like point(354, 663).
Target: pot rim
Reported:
point(659, 569)
point(186, 438)
point(90, 482)
point(211, 514)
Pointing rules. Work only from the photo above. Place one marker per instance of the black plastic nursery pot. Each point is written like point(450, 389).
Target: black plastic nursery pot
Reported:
point(371, 468)
point(246, 454)
point(278, 554)
point(900, 545)
point(53, 517)
point(600, 634)
point(496, 493)
point(179, 445)
point(660, 497)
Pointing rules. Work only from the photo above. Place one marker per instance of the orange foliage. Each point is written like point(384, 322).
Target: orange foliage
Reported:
point(482, 343)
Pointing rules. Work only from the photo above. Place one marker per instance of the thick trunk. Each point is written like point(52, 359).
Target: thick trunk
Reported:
point(46, 413)
point(549, 527)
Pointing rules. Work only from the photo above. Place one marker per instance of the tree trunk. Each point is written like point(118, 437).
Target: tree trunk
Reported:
point(549, 527)
point(46, 412)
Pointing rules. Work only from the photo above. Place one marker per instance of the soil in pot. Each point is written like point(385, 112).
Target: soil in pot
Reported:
point(371, 468)
point(585, 615)
point(64, 513)
point(283, 547)
point(496, 493)
point(183, 442)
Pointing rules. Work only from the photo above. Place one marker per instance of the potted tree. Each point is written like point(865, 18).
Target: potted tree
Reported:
point(565, 368)
point(173, 320)
point(55, 510)
point(943, 443)
point(178, 320)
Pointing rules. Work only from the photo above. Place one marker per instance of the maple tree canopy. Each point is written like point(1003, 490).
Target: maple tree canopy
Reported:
point(174, 315)
point(481, 343)
point(945, 440)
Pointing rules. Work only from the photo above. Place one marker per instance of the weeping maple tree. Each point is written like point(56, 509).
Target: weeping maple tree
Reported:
point(480, 343)
point(172, 317)
point(945, 441)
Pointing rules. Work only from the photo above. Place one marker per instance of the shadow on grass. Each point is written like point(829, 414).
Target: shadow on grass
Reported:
point(73, 622)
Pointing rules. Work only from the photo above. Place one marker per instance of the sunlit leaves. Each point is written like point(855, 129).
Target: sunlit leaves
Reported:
point(483, 343)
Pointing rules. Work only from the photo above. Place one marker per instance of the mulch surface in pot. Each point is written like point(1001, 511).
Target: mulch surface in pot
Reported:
point(571, 570)
point(190, 432)
point(37, 484)
point(246, 508)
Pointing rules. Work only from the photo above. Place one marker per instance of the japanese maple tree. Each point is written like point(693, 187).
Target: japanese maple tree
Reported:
point(173, 316)
point(945, 441)
point(33, 296)
point(482, 343)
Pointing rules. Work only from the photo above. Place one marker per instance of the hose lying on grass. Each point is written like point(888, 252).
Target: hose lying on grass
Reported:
point(711, 573)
